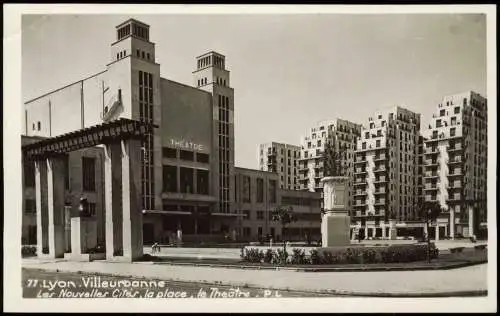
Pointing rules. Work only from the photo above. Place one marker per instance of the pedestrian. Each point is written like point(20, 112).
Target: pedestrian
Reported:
point(155, 248)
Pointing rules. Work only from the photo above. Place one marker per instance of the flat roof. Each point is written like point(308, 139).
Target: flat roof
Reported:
point(211, 52)
point(132, 20)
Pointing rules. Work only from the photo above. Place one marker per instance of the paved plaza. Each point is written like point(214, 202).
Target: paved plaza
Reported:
point(468, 279)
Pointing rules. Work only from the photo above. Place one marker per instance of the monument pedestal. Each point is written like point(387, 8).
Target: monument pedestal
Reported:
point(335, 229)
point(83, 238)
point(336, 223)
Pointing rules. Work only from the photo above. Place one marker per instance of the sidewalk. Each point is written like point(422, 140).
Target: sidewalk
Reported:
point(394, 283)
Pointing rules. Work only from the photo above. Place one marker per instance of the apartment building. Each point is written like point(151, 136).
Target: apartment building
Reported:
point(456, 161)
point(386, 173)
point(343, 136)
point(282, 159)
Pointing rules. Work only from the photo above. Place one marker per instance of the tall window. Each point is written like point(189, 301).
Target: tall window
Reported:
point(186, 175)
point(247, 191)
point(260, 190)
point(272, 191)
point(88, 170)
point(170, 179)
point(29, 173)
point(202, 177)
point(146, 114)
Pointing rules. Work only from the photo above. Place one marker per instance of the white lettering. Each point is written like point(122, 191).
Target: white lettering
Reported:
point(184, 144)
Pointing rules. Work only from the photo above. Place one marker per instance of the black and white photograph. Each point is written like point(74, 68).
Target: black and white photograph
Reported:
point(201, 158)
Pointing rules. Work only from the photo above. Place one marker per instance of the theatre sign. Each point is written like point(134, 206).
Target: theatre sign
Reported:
point(184, 144)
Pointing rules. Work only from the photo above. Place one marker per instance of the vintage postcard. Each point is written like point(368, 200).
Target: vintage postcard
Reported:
point(208, 158)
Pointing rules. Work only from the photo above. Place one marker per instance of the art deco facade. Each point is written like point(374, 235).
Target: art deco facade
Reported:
point(187, 164)
point(311, 165)
point(282, 159)
point(456, 160)
point(386, 172)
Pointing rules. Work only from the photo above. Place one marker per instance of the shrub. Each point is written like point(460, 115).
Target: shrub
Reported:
point(350, 255)
point(480, 247)
point(315, 257)
point(369, 256)
point(45, 250)
point(298, 256)
point(457, 249)
point(28, 251)
point(282, 257)
point(268, 256)
point(254, 255)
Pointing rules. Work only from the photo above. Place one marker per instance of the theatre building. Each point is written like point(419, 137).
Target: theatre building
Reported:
point(187, 163)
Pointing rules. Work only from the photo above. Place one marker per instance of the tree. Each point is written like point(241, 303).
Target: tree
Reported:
point(333, 158)
point(285, 216)
point(429, 212)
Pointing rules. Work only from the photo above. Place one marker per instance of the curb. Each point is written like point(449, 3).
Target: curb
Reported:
point(329, 269)
point(471, 293)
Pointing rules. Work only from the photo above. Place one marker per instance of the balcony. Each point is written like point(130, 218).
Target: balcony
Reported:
point(360, 171)
point(455, 185)
point(303, 168)
point(457, 147)
point(380, 157)
point(456, 160)
point(360, 205)
point(381, 192)
point(379, 202)
point(271, 154)
point(454, 198)
point(380, 180)
point(430, 188)
point(319, 165)
point(431, 175)
point(455, 173)
point(383, 169)
point(360, 160)
point(431, 163)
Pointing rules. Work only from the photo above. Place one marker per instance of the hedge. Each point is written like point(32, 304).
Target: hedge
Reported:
point(341, 255)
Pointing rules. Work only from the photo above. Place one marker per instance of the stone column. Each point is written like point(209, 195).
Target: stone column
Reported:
point(452, 222)
point(42, 240)
point(383, 231)
point(131, 200)
point(426, 233)
point(366, 232)
point(374, 231)
point(112, 197)
point(437, 232)
point(55, 203)
point(470, 209)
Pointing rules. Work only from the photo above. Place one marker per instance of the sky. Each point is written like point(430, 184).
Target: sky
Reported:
point(288, 71)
